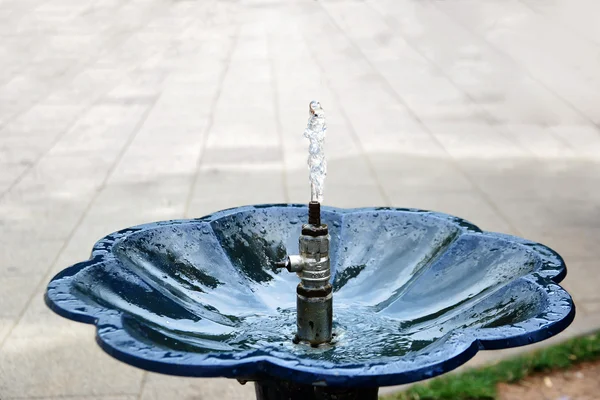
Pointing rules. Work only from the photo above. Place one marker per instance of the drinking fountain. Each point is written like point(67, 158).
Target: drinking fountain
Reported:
point(384, 296)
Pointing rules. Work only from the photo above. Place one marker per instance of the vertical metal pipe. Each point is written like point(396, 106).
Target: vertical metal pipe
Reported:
point(314, 299)
point(314, 294)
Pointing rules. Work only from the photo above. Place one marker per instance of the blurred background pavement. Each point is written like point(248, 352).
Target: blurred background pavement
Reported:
point(120, 112)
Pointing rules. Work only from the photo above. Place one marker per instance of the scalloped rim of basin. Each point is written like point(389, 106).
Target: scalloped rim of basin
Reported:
point(446, 354)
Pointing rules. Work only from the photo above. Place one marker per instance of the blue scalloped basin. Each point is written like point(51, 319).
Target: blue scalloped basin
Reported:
point(417, 294)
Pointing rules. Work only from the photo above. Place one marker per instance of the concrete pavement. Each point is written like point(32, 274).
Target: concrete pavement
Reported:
point(115, 113)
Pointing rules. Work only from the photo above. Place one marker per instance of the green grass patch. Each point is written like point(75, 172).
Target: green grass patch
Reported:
point(480, 383)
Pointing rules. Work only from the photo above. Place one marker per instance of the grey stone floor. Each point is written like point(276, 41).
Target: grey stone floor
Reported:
point(119, 112)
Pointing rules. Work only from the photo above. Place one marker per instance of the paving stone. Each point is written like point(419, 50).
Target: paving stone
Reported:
point(571, 243)
point(414, 174)
point(475, 140)
point(583, 289)
point(525, 179)
point(217, 189)
point(117, 397)
point(17, 291)
point(499, 89)
point(468, 205)
point(526, 37)
point(63, 364)
point(583, 139)
point(6, 325)
point(19, 260)
point(540, 141)
point(101, 130)
point(42, 119)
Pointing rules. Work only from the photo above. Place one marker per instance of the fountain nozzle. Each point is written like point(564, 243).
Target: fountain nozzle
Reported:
point(314, 213)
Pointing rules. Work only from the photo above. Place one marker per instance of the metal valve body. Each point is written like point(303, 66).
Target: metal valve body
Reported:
point(314, 292)
point(314, 299)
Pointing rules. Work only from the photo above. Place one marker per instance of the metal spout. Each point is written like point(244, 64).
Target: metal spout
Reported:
point(314, 213)
point(314, 294)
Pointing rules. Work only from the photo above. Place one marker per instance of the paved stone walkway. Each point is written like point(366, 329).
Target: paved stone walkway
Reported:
point(119, 112)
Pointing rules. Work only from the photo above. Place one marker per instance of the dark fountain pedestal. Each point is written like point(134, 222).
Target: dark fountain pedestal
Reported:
point(415, 295)
point(280, 390)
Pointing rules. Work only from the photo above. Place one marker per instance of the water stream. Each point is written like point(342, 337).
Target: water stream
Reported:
point(315, 132)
